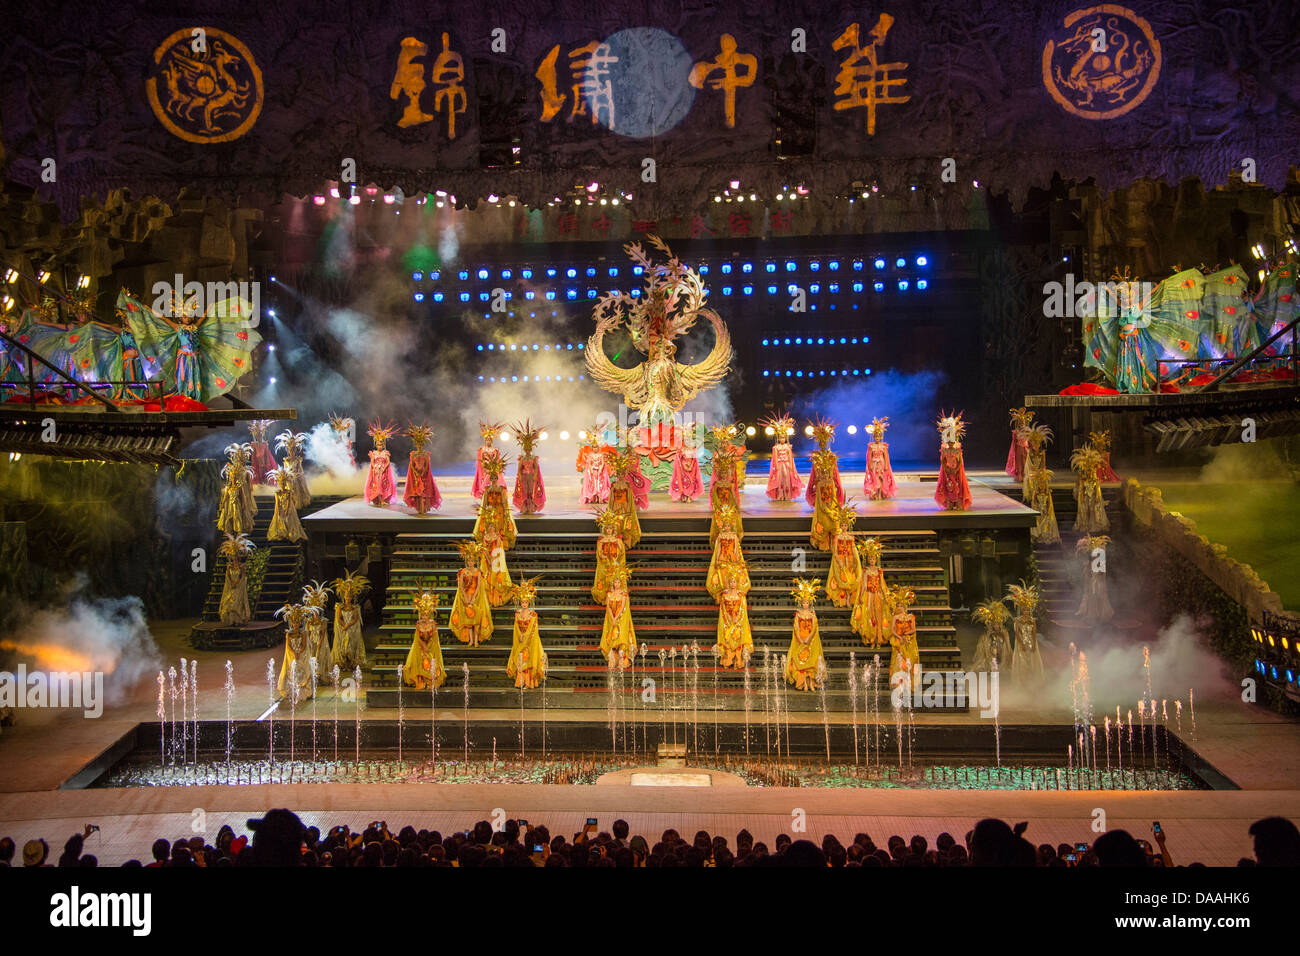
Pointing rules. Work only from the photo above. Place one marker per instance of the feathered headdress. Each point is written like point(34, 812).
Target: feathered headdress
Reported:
point(901, 597)
point(290, 441)
point(281, 477)
point(877, 428)
point(1042, 479)
point(526, 435)
point(471, 551)
point(235, 452)
point(1024, 596)
point(526, 589)
point(609, 522)
point(805, 591)
point(380, 432)
point(781, 424)
point(1091, 542)
point(341, 424)
point(1099, 440)
point(489, 431)
point(295, 615)
point(823, 432)
point(952, 428)
point(494, 466)
point(846, 515)
point(871, 549)
point(722, 435)
point(619, 463)
point(620, 573)
point(350, 586)
point(257, 428)
point(236, 545)
point(990, 613)
point(1021, 418)
point(1040, 434)
point(420, 435)
point(593, 436)
point(425, 602)
point(1086, 461)
point(731, 572)
point(316, 594)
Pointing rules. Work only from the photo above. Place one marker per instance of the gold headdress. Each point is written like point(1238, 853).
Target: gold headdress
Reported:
point(1040, 434)
point(1021, 418)
point(722, 435)
point(489, 431)
point(340, 423)
point(296, 615)
point(823, 432)
point(290, 441)
point(877, 428)
point(731, 572)
point(494, 466)
point(619, 463)
point(380, 433)
point(258, 427)
point(526, 435)
point(526, 589)
point(727, 516)
point(620, 574)
point(990, 613)
point(1042, 479)
point(350, 586)
point(846, 516)
point(1086, 460)
point(952, 428)
point(1024, 596)
point(609, 522)
point(316, 594)
point(1090, 542)
point(1099, 440)
point(871, 548)
point(595, 435)
point(425, 602)
point(805, 591)
point(236, 546)
point(901, 598)
point(281, 477)
point(781, 423)
point(471, 551)
point(420, 435)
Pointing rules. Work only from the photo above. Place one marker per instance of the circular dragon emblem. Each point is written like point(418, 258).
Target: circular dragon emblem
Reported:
point(205, 86)
point(1102, 62)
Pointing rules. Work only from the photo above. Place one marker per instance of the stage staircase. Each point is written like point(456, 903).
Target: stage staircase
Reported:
point(671, 608)
point(1059, 565)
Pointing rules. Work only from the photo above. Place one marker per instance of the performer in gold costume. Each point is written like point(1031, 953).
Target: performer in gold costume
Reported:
point(495, 530)
point(1026, 662)
point(846, 567)
point(285, 525)
point(295, 671)
point(471, 614)
point(423, 668)
point(735, 641)
point(1087, 463)
point(349, 644)
point(621, 500)
point(721, 496)
point(994, 644)
point(905, 660)
point(825, 490)
point(1045, 530)
point(527, 664)
point(234, 609)
point(317, 595)
point(726, 549)
point(870, 616)
point(611, 552)
point(617, 637)
point(804, 666)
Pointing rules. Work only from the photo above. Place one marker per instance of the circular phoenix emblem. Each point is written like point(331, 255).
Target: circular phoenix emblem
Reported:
point(205, 86)
point(1102, 62)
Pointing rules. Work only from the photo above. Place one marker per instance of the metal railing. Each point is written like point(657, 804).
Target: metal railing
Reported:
point(67, 382)
point(1235, 365)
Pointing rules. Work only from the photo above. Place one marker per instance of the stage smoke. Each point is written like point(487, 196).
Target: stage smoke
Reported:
point(910, 400)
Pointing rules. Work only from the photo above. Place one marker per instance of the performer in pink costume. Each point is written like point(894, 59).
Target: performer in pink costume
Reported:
point(421, 490)
point(783, 481)
point(952, 491)
point(1101, 442)
point(879, 483)
point(489, 433)
point(822, 432)
point(263, 461)
point(530, 493)
point(686, 483)
point(732, 465)
point(381, 480)
point(594, 466)
point(638, 482)
point(1021, 419)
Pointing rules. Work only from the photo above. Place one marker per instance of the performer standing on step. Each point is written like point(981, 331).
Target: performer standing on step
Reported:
point(345, 430)
point(593, 465)
point(622, 499)
point(735, 640)
point(1095, 607)
point(530, 493)
point(879, 482)
point(263, 461)
point(495, 530)
point(1026, 662)
point(845, 575)
point(423, 668)
point(1101, 441)
point(421, 492)
point(527, 664)
point(233, 515)
point(994, 644)
point(233, 609)
point(488, 431)
point(317, 595)
point(686, 483)
point(617, 637)
point(1021, 419)
point(471, 614)
point(726, 551)
point(349, 645)
point(822, 432)
point(804, 665)
point(870, 617)
point(294, 446)
point(637, 481)
point(728, 458)
point(723, 496)
point(952, 491)
point(295, 671)
point(1045, 530)
point(1091, 516)
point(381, 480)
point(783, 481)
point(905, 658)
point(284, 522)
point(611, 552)
point(1039, 437)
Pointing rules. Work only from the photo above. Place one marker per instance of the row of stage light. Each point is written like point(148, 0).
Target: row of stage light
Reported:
point(726, 268)
point(571, 294)
point(1279, 650)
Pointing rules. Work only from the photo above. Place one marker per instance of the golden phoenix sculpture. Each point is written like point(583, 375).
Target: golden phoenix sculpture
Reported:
point(674, 299)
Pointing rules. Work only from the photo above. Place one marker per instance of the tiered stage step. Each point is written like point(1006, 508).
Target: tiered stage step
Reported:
point(1058, 564)
point(670, 608)
point(282, 582)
